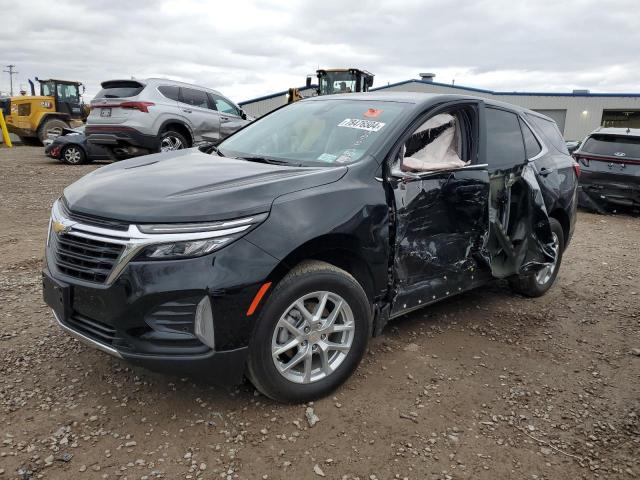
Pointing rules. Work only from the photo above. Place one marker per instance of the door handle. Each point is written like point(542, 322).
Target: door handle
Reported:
point(545, 171)
point(224, 118)
point(186, 110)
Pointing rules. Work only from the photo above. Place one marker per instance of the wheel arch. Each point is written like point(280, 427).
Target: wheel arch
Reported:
point(178, 126)
point(563, 218)
point(340, 250)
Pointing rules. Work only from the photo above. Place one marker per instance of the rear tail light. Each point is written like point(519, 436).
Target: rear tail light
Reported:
point(576, 168)
point(142, 106)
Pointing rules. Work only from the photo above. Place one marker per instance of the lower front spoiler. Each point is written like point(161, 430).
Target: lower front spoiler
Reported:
point(221, 368)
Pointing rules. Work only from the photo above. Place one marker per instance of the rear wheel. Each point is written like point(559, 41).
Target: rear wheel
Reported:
point(536, 284)
point(172, 140)
point(51, 128)
point(73, 155)
point(311, 334)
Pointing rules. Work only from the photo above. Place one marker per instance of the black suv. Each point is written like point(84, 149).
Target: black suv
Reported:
point(280, 253)
point(610, 162)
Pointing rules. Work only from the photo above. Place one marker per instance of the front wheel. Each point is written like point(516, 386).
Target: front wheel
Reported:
point(536, 284)
point(311, 334)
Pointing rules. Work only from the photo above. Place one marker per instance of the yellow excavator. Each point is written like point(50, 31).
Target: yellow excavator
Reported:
point(34, 118)
point(336, 80)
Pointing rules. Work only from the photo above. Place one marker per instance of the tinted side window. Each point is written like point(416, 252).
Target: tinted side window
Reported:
point(550, 132)
point(224, 106)
point(505, 147)
point(531, 145)
point(171, 92)
point(194, 97)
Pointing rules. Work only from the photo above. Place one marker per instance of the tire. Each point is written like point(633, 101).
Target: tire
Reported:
point(172, 140)
point(309, 282)
point(537, 284)
point(53, 126)
point(73, 155)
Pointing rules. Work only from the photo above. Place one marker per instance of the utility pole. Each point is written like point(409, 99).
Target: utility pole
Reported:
point(11, 73)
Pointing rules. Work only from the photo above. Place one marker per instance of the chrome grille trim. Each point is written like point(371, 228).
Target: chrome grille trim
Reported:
point(131, 241)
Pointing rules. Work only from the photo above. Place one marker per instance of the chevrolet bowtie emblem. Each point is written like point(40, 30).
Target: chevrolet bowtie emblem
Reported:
point(59, 227)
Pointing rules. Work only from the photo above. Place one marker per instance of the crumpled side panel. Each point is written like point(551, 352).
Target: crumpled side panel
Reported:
point(523, 241)
point(441, 225)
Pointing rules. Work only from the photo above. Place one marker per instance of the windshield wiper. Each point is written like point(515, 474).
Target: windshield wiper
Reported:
point(271, 161)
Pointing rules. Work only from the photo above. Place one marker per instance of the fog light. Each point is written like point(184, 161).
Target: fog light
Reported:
point(204, 322)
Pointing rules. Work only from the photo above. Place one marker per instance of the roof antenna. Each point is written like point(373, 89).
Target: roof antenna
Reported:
point(453, 82)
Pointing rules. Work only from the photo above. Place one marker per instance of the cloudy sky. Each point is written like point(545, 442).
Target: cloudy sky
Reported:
point(251, 48)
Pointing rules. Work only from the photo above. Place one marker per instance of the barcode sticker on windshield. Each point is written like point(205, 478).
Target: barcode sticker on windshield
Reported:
point(368, 125)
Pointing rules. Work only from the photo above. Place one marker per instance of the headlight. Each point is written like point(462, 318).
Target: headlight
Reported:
point(184, 249)
point(183, 240)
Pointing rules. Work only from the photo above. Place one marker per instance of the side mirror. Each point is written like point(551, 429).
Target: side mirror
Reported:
point(243, 114)
point(83, 88)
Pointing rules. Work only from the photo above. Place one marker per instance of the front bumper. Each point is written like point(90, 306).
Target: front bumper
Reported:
point(225, 368)
point(53, 150)
point(146, 316)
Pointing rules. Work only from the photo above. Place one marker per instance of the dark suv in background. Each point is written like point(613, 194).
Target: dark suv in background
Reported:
point(280, 253)
point(134, 117)
point(610, 163)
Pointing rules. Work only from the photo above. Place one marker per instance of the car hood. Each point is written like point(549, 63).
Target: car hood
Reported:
point(189, 186)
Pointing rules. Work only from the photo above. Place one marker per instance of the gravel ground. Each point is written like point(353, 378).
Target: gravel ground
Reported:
point(487, 385)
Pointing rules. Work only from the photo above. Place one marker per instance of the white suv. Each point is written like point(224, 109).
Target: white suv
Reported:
point(133, 117)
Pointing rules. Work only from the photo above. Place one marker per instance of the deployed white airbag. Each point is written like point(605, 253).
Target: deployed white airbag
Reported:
point(440, 153)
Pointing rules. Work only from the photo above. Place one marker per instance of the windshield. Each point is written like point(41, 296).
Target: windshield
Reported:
point(337, 82)
point(316, 132)
point(611, 145)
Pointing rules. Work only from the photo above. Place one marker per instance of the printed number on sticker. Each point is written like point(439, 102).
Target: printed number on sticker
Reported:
point(368, 125)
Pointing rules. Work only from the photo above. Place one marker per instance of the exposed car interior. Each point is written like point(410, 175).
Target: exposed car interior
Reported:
point(443, 142)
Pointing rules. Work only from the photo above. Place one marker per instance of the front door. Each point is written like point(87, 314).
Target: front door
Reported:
point(440, 187)
point(203, 119)
point(230, 116)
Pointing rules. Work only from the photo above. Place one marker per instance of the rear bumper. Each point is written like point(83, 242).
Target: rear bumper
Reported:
point(113, 136)
point(598, 190)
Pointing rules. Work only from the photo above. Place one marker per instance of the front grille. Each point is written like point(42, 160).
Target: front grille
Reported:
point(98, 331)
point(84, 258)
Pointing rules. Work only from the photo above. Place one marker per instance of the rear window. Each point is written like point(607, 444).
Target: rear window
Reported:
point(549, 131)
point(613, 146)
point(194, 97)
point(531, 145)
point(170, 91)
point(505, 147)
point(120, 89)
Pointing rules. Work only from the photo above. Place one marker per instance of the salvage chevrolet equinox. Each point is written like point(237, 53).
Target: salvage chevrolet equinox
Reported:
point(282, 251)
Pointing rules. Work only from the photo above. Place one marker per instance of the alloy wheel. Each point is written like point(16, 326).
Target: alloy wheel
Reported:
point(170, 143)
point(545, 274)
point(313, 337)
point(72, 155)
